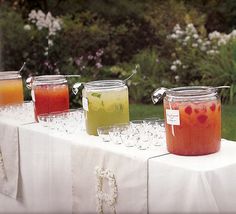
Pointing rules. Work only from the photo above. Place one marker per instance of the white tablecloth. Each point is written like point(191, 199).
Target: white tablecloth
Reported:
point(9, 166)
point(130, 169)
point(45, 184)
point(9, 146)
point(175, 184)
point(197, 184)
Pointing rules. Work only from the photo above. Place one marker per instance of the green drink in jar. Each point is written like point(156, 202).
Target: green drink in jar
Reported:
point(105, 102)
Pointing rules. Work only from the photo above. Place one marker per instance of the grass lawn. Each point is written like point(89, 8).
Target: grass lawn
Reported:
point(140, 111)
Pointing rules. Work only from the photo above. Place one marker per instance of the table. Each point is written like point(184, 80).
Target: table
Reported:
point(198, 184)
point(174, 183)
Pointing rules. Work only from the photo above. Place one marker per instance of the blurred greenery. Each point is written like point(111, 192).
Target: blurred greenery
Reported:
point(105, 39)
point(221, 70)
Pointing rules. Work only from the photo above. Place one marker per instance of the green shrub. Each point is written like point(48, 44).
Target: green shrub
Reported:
point(151, 75)
point(106, 39)
point(14, 40)
point(220, 69)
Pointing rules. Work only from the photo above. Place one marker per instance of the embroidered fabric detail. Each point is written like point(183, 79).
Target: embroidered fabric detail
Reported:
point(103, 198)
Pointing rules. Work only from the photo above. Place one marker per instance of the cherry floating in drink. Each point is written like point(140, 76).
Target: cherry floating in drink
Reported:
point(192, 120)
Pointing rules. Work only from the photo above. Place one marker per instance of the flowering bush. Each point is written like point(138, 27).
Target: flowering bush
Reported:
point(190, 48)
point(14, 41)
point(43, 28)
point(45, 21)
point(221, 69)
point(97, 43)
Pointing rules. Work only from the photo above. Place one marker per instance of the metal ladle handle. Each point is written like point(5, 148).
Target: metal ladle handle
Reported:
point(134, 71)
point(222, 86)
point(76, 86)
point(22, 67)
point(158, 94)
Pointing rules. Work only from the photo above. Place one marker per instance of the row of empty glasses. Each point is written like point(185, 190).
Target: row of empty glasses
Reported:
point(23, 112)
point(142, 134)
point(66, 122)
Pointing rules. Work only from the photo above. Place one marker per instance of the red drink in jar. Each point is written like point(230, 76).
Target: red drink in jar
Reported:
point(50, 94)
point(193, 120)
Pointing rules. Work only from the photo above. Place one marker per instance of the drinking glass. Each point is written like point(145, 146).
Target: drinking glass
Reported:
point(103, 132)
point(67, 122)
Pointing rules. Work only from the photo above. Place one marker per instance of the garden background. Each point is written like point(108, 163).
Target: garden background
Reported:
point(174, 42)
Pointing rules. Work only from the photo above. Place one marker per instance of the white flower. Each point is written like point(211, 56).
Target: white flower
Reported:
point(214, 35)
point(50, 43)
point(195, 36)
point(207, 43)
point(45, 21)
point(90, 57)
point(49, 16)
point(187, 38)
point(194, 45)
point(212, 52)
point(190, 29)
point(99, 52)
point(40, 14)
point(173, 67)
point(176, 27)
point(190, 25)
point(27, 27)
point(199, 40)
point(32, 15)
point(233, 33)
point(221, 41)
point(57, 24)
point(98, 65)
point(177, 78)
point(173, 36)
point(179, 32)
point(177, 62)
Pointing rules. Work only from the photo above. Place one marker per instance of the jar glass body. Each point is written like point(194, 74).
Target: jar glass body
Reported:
point(192, 120)
point(105, 102)
point(11, 88)
point(49, 93)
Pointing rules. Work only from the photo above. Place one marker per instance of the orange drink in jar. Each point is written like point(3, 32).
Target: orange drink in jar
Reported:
point(11, 88)
point(193, 120)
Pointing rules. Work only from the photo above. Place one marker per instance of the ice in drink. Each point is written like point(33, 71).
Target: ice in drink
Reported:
point(105, 107)
point(51, 99)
